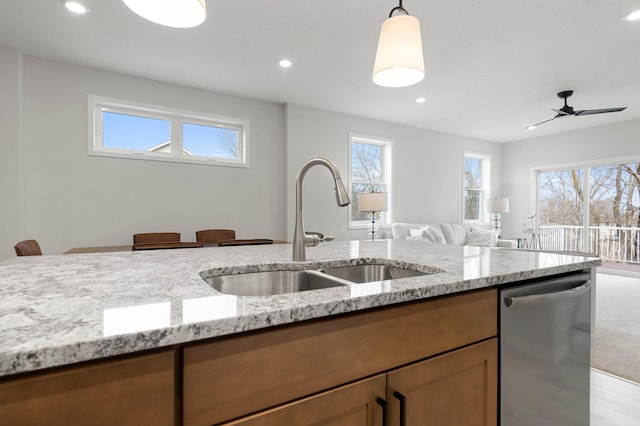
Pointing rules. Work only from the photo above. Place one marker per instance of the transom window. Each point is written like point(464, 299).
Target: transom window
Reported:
point(476, 186)
point(129, 130)
point(370, 170)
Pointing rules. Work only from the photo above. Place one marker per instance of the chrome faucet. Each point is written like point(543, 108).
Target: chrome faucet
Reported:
point(302, 239)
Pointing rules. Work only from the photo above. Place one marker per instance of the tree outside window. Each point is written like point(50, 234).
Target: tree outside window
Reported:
point(370, 171)
point(475, 186)
point(611, 224)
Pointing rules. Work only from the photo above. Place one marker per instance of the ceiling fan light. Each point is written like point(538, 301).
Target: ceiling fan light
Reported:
point(170, 13)
point(399, 60)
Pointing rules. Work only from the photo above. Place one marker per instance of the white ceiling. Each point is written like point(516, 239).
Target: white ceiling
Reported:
point(493, 66)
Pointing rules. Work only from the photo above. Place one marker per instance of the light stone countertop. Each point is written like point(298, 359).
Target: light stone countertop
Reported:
point(59, 310)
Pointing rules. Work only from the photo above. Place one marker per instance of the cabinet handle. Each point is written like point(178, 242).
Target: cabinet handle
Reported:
point(384, 405)
point(403, 407)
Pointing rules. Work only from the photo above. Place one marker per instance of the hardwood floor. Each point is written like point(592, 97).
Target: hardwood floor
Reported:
point(614, 401)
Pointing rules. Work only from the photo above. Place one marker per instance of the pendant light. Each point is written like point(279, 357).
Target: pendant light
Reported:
point(170, 13)
point(399, 61)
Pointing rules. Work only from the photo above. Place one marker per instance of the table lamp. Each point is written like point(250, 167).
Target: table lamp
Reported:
point(496, 206)
point(373, 202)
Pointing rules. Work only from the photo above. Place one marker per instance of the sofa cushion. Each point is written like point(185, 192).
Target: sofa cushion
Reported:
point(482, 238)
point(400, 230)
point(454, 233)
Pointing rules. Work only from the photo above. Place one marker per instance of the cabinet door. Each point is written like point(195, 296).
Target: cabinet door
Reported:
point(139, 390)
point(458, 388)
point(229, 377)
point(350, 405)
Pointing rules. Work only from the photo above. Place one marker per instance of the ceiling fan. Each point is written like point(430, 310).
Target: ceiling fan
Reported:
point(567, 110)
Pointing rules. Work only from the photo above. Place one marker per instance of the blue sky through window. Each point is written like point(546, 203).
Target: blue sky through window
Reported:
point(132, 132)
point(123, 131)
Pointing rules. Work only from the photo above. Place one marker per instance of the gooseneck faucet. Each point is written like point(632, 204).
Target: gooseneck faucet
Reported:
point(302, 239)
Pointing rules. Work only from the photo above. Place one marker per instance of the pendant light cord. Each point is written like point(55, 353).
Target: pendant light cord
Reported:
point(398, 9)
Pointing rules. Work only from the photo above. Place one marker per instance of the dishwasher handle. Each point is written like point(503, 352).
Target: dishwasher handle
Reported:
point(582, 287)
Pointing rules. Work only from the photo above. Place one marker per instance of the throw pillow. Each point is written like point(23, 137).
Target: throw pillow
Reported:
point(432, 235)
point(415, 232)
point(482, 238)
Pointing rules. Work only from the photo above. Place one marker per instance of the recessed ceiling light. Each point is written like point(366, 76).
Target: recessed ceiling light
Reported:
point(421, 100)
point(75, 6)
point(285, 63)
point(633, 16)
point(531, 127)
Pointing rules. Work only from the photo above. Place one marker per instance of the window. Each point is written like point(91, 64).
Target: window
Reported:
point(129, 130)
point(370, 170)
point(594, 209)
point(476, 186)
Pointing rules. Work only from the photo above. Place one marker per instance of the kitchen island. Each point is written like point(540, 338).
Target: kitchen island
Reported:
point(65, 310)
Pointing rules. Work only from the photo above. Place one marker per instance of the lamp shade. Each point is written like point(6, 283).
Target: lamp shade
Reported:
point(497, 205)
point(171, 13)
point(373, 202)
point(399, 60)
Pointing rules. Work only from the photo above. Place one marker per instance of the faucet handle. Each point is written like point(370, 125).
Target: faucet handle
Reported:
point(312, 239)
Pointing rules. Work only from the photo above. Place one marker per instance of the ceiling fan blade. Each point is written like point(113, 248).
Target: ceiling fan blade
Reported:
point(542, 122)
point(559, 112)
point(599, 111)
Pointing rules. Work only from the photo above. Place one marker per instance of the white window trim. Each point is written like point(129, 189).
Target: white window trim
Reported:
point(176, 117)
point(485, 190)
point(387, 144)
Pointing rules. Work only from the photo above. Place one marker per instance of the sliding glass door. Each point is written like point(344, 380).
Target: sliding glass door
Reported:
point(608, 226)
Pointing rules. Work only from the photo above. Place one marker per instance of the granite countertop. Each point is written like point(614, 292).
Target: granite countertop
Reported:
point(59, 310)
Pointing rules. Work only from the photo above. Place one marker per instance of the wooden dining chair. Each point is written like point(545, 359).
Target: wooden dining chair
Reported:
point(213, 236)
point(28, 248)
point(249, 242)
point(156, 237)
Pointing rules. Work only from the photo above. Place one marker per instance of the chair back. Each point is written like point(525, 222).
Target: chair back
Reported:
point(251, 242)
point(212, 236)
point(28, 248)
point(156, 237)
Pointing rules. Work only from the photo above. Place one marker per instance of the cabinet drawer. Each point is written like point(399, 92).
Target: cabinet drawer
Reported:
point(230, 377)
point(353, 404)
point(131, 391)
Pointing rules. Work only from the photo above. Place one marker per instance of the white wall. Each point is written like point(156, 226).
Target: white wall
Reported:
point(71, 199)
point(426, 177)
point(595, 144)
point(54, 192)
point(10, 149)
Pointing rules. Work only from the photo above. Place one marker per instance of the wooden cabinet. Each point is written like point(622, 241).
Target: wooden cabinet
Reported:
point(229, 378)
point(350, 405)
point(458, 388)
point(138, 390)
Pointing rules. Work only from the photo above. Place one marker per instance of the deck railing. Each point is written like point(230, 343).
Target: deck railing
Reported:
point(616, 244)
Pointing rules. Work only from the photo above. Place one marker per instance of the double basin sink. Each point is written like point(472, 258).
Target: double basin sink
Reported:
point(290, 281)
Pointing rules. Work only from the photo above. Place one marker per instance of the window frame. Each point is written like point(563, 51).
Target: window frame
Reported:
point(176, 117)
point(485, 186)
point(385, 220)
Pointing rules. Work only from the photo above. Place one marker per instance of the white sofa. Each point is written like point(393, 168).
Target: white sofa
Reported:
point(447, 233)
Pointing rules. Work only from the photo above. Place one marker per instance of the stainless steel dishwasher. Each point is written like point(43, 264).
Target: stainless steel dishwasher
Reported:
point(545, 352)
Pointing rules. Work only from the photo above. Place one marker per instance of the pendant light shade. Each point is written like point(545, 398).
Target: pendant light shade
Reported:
point(171, 13)
point(399, 60)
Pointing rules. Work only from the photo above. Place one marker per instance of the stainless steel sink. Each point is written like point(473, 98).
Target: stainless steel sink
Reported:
point(273, 282)
point(369, 273)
